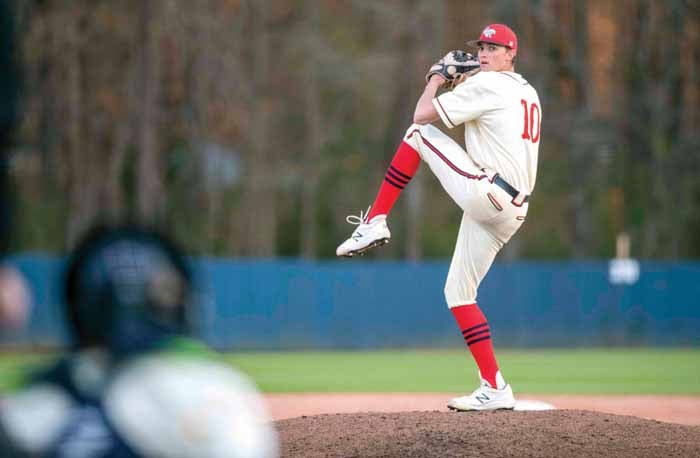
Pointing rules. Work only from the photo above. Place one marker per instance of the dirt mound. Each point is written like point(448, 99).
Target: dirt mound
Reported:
point(554, 433)
point(675, 409)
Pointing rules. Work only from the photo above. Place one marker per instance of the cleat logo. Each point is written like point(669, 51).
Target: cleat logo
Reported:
point(357, 237)
point(482, 398)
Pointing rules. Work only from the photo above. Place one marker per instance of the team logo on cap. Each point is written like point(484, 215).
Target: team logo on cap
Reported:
point(488, 32)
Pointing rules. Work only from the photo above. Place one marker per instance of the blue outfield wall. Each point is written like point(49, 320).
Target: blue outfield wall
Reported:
point(295, 304)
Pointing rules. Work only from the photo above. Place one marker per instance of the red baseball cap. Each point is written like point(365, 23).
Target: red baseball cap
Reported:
point(498, 34)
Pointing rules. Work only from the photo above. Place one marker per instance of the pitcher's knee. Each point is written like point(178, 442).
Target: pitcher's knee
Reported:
point(456, 295)
point(413, 133)
point(413, 137)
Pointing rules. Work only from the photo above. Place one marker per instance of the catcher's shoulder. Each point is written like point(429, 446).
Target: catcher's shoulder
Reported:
point(217, 406)
point(33, 417)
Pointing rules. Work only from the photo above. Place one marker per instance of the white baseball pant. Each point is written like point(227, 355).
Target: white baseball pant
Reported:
point(491, 215)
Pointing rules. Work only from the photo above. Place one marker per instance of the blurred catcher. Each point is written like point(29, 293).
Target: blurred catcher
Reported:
point(133, 385)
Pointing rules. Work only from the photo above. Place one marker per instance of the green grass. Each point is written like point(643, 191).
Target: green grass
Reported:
point(601, 371)
point(14, 365)
point(598, 371)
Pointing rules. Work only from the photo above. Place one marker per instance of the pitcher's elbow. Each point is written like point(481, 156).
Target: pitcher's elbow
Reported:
point(419, 119)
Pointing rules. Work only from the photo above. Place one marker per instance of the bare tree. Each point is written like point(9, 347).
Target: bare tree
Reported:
point(314, 132)
point(124, 99)
point(417, 53)
point(150, 190)
point(257, 218)
point(78, 181)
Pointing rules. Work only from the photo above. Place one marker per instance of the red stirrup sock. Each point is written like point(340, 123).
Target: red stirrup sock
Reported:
point(403, 166)
point(475, 330)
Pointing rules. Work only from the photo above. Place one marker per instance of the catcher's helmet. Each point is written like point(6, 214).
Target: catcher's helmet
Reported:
point(126, 288)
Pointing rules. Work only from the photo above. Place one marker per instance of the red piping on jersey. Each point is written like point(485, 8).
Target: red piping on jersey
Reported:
point(445, 160)
point(445, 112)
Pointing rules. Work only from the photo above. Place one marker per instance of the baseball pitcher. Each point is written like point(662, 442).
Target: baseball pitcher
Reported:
point(491, 181)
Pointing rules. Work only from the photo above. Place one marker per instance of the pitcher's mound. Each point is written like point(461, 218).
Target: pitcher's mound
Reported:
point(531, 404)
point(547, 433)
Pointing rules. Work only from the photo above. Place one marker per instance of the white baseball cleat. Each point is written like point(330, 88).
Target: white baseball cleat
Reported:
point(486, 398)
point(368, 235)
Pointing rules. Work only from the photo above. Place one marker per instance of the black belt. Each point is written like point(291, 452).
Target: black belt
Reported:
point(508, 188)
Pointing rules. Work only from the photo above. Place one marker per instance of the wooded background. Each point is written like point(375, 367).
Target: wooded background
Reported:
point(253, 127)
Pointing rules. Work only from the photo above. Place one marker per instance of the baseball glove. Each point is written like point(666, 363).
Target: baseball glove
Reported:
point(455, 64)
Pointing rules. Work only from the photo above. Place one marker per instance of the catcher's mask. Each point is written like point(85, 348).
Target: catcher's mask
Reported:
point(126, 288)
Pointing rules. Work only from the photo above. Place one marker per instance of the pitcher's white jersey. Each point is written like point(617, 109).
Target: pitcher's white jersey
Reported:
point(501, 115)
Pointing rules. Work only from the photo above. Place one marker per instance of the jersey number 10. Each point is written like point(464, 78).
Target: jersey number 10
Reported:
point(531, 125)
